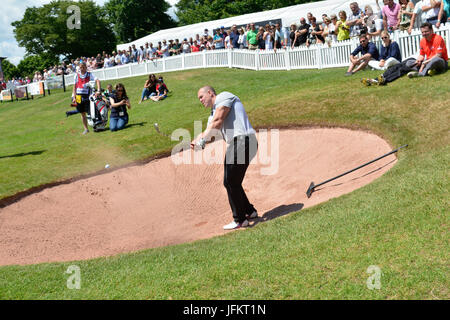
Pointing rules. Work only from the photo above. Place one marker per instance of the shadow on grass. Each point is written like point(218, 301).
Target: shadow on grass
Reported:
point(141, 124)
point(22, 154)
point(278, 212)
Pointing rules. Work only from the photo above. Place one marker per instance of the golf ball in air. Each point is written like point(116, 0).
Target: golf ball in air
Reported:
point(107, 166)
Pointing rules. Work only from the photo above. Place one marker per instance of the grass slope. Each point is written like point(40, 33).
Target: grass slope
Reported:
point(399, 222)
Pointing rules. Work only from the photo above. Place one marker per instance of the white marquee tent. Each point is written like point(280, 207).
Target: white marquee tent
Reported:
point(288, 15)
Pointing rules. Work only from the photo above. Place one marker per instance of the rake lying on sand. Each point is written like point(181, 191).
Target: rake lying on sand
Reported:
point(312, 186)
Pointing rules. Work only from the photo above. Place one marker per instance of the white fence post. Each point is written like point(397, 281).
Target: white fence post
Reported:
point(182, 61)
point(287, 61)
point(164, 63)
point(230, 58)
point(204, 58)
point(319, 56)
point(256, 59)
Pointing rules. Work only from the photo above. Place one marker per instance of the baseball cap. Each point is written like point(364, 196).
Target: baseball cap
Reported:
point(222, 27)
point(333, 16)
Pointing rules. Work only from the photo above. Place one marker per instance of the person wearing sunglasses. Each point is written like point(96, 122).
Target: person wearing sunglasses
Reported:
point(119, 104)
point(390, 54)
point(368, 52)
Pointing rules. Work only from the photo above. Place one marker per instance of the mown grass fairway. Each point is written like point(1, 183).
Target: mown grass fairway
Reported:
point(399, 223)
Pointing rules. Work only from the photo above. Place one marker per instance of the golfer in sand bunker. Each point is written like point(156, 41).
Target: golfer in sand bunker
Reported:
point(229, 120)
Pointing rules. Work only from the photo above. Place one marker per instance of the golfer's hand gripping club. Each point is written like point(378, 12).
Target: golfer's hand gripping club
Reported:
point(200, 144)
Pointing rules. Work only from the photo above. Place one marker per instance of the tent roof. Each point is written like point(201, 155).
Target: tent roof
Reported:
point(288, 15)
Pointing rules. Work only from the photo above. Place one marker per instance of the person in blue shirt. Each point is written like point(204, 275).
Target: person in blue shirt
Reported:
point(234, 37)
point(368, 52)
point(390, 54)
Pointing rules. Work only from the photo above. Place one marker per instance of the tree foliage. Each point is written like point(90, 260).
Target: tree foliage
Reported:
point(9, 70)
point(32, 63)
point(44, 30)
point(133, 19)
point(194, 11)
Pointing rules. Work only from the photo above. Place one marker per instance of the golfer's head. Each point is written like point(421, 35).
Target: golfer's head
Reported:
point(83, 67)
point(207, 96)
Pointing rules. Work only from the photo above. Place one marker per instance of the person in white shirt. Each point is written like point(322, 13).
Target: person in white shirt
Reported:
point(418, 17)
point(242, 41)
point(431, 9)
point(227, 40)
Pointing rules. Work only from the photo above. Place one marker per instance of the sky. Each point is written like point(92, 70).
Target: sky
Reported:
point(13, 10)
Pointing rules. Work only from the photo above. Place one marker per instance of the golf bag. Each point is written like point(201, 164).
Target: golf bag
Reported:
point(97, 116)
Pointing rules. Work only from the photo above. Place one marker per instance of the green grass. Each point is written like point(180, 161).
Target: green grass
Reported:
point(400, 222)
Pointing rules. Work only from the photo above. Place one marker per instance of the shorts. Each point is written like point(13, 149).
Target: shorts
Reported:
point(83, 106)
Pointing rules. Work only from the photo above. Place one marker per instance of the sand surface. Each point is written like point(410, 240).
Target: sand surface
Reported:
point(162, 203)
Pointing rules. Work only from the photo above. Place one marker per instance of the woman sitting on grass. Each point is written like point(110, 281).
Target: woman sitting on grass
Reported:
point(149, 88)
point(161, 90)
point(119, 103)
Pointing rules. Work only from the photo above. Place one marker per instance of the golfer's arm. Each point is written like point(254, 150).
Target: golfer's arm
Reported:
point(99, 87)
point(217, 122)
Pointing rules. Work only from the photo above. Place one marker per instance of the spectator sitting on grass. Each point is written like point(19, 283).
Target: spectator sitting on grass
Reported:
point(119, 104)
point(161, 90)
point(109, 92)
point(433, 53)
point(368, 52)
point(389, 53)
point(149, 88)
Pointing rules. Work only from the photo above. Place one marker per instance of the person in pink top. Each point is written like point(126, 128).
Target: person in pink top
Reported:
point(390, 15)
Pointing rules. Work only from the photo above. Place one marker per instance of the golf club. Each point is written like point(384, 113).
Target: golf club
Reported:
point(312, 186)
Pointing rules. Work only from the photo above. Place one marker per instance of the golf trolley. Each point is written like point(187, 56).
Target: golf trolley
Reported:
point(97, 115)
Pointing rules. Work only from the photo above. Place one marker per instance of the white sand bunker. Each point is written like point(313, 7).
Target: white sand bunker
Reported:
point(160, 203)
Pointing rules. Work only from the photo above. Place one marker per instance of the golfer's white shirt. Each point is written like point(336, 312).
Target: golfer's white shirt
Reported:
point(236, 123)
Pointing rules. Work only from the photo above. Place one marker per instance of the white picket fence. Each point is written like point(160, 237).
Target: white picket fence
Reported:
point(314, 57)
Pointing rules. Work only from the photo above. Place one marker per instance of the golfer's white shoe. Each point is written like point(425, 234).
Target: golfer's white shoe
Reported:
point(253, 215)
point(235, 225)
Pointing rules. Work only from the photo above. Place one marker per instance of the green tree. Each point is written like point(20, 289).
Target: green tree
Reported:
point(32, 63)
point(135, 19)
point(194, 11)
point(44, 30)
point(9, 70)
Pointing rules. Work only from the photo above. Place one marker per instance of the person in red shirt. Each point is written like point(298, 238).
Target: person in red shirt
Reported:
point(433, 55)
point(195, 47)
point(161, 90)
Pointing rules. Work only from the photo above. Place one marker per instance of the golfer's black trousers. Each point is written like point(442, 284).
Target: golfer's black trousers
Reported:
point(237, 159)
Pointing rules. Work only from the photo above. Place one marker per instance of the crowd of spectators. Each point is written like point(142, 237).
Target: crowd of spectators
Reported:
point(390, 16)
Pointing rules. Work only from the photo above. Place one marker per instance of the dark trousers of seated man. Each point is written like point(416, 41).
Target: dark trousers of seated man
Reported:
point(400, 69)
point(238, 156)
